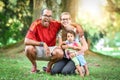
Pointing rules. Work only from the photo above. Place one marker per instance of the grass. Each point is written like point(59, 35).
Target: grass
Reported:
point(113, 53)
point(15, 66)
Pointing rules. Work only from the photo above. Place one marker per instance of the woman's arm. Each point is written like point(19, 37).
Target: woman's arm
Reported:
point(79, 29)
point(84, 45)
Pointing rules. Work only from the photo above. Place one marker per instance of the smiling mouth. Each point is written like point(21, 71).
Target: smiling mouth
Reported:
point(46, 20)
point(46, 23)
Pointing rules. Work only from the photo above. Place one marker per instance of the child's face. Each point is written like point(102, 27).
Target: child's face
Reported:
point(70, 37)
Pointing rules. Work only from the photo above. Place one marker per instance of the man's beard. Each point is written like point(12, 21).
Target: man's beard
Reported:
point(45, 23)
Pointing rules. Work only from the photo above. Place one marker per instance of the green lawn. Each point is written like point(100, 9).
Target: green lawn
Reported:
point(15, 66)
point(113, 53)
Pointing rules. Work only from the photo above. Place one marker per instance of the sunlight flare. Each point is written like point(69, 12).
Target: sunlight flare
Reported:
point(92, 10)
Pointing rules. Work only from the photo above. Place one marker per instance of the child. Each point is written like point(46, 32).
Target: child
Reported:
point(71, 47)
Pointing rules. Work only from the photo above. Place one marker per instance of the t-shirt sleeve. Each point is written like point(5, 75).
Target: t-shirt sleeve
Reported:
point(31, 32)
point(59, 24)
point(59, 27)
point(59, 34)
point(80, 30)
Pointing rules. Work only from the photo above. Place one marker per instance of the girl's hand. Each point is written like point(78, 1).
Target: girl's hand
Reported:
point(72, 55)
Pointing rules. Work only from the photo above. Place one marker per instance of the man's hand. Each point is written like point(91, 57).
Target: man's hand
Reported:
point(46, 49)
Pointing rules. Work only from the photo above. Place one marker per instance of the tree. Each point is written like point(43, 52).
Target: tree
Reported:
point(72, 7)
point(37, 6)
point(15, 17)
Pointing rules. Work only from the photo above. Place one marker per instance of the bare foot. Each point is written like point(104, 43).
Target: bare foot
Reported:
point(76, 71)
point(87, 73)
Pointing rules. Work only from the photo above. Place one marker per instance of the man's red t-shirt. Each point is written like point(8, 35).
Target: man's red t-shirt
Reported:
point(40, 33)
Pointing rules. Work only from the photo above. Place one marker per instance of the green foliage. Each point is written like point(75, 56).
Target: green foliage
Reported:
point(106, 24)
point(92, 31)
point(15, 18)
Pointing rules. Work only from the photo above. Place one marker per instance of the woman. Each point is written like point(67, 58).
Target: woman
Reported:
point(66, 66)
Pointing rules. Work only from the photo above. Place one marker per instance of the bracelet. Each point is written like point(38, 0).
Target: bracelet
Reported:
point(41, 43)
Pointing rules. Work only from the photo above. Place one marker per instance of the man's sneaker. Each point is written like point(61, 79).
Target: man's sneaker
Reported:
point(45, 69)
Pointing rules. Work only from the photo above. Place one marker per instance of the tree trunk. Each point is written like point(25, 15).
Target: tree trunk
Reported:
point(37, 6)
point(72, 7)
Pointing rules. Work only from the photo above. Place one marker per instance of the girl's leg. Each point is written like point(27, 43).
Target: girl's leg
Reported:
point(86, 70)
point(79, 69)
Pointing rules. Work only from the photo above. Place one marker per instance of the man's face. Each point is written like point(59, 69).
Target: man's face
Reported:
point(65, 20)
point(46, 17)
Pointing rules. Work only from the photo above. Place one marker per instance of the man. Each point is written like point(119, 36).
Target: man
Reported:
point(40, 40)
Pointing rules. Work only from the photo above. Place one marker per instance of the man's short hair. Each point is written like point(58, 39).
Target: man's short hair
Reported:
point(45, 9)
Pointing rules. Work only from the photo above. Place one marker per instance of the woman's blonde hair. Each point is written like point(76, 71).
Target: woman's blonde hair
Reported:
point(65, 13)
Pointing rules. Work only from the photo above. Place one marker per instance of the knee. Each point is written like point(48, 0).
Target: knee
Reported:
point(59, 53)
point(67, 72)
point(53, 71)
point(29, 50)
point(64, 72)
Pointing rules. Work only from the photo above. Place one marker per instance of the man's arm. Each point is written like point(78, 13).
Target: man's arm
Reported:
point(36, 43)
point(28, 41)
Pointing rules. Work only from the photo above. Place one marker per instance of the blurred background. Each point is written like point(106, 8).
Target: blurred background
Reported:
point(100, 20)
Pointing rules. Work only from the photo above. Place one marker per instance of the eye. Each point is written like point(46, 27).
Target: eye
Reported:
point(65, 19)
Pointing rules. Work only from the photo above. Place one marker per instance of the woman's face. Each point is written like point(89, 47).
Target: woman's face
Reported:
point(65, 20)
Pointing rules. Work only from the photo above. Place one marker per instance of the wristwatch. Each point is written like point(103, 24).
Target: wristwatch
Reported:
point(41, 43)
